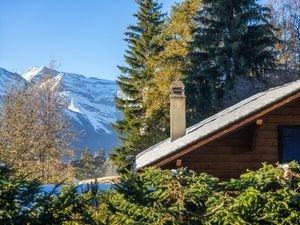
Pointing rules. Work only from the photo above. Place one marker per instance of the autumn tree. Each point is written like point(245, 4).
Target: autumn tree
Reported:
point(34, 131)
point(286, 17)
point(171, 63)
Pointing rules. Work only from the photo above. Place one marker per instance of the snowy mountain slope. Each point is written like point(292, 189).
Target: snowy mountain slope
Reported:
point(91, 106)
point(7, 80)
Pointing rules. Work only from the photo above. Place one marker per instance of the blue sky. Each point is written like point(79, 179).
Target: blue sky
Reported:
point(83, 36)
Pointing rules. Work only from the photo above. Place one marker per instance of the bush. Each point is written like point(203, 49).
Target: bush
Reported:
point(266, 196)
point(23, 202)
point(160, 197)
point(16, 197)
point(270, 195)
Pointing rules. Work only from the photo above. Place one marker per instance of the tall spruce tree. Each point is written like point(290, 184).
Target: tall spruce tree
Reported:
point(233, 38)
point(135, 129)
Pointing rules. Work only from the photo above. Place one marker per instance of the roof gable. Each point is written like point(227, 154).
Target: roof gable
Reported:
point(235, 116)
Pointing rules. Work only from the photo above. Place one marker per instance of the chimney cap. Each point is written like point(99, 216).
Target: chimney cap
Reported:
point(177, 87)
point(177, 83)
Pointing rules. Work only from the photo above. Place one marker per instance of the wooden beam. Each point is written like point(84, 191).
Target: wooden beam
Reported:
point(259, 122)
point(254, 138)
point(230, 129)
point(178, 162)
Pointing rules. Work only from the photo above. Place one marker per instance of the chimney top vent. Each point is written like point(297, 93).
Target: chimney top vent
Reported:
point(177, 88)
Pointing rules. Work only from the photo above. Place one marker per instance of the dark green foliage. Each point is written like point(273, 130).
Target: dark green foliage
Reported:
point(16, 196)
point(270, 195)
point(135, 128)
point(161, 197)
point(89, 166)
point(233, 38)
point(23, 202)
point(61, 207)
point(265, 196)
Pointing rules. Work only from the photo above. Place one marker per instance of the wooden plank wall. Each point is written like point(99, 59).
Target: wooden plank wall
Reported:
point(233, 154)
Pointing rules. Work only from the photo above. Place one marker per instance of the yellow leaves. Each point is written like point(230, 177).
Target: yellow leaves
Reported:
point(171, 63)
point(33, 131)
point(279, 46)
point(155, 101)
point(175, 48)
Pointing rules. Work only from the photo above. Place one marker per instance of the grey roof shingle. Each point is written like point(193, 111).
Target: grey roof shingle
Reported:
point(216, 122)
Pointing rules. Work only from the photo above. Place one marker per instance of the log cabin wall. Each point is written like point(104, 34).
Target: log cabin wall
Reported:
point(244, 149)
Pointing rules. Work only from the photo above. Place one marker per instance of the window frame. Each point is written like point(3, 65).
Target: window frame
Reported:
point(280, 141)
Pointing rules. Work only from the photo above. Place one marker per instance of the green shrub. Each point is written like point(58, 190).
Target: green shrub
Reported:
point(16, 196)
point(269, 195)
point(23, 202)
point(264, 196)
point(160, 197)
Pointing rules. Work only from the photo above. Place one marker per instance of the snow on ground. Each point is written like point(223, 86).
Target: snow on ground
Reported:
point(47, 188)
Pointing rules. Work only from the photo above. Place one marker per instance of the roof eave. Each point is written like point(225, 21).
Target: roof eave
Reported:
point(222, 131)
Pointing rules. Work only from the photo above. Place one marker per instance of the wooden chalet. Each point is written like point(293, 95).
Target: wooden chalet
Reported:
point(262, 128)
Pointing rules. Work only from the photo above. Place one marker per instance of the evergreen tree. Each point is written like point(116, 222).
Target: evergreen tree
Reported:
point(16, 196)
point(89, 166)
point(135, 79)
point(172, 62)
point(269, 195)
point(85, 167)
point(159, 197)
point(24, 201)
point(233, 38)
point(100, 158)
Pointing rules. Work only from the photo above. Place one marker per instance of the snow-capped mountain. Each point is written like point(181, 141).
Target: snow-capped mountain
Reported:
point(91, 103)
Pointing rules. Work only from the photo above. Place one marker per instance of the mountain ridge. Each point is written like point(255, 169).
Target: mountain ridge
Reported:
point(91, 106)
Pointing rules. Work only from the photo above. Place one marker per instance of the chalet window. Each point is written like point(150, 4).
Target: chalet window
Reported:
point(290, 143)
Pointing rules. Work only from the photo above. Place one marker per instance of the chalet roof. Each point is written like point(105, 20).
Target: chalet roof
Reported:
point(216, 123)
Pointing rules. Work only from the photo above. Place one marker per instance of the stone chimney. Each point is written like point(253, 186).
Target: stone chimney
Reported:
point(177, 110)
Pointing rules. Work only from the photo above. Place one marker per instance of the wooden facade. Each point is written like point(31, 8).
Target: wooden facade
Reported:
point(242, 146)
